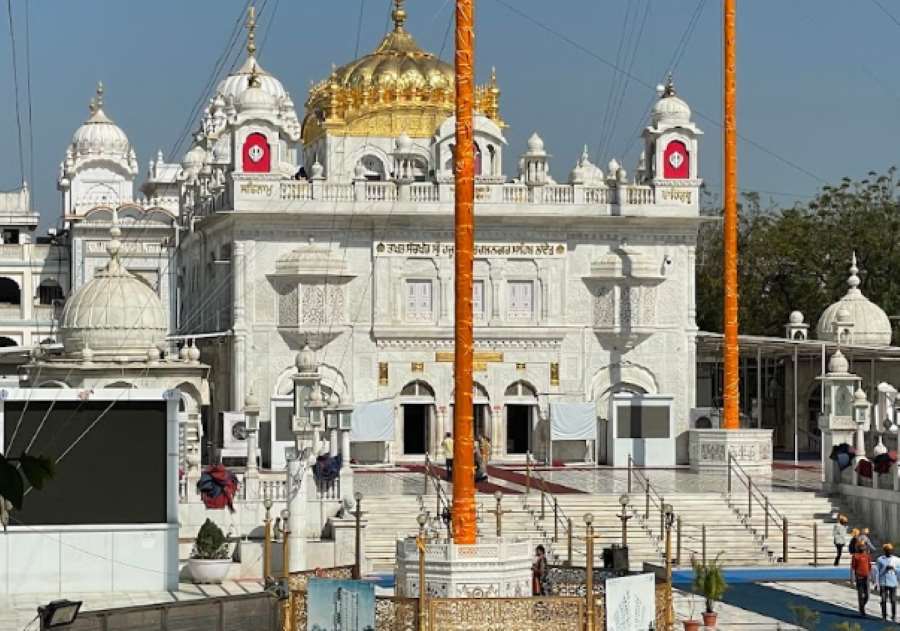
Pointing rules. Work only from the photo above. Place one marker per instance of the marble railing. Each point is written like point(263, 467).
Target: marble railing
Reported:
point(249, 191)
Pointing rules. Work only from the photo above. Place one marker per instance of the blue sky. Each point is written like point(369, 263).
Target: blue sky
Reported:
point(816, 78)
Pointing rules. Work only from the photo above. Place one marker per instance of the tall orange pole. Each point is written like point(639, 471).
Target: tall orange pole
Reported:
point(730, 240)
point(464, 529)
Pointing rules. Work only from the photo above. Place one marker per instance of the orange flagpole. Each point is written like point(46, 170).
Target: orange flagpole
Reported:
point(730, 240)
point(464, 528)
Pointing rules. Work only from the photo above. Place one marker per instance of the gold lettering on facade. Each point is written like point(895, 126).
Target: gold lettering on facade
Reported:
point(676, 195)
point(417, 367)
point(252, 188)
point(483, 357)
point(554, 374)
point(382, 373)
point(441, 249)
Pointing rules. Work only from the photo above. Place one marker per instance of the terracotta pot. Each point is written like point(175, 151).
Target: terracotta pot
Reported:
point(691, 625)
point(709, 619)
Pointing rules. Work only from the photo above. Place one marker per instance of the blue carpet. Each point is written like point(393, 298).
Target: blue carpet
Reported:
point(771, 574)
point(775, 603)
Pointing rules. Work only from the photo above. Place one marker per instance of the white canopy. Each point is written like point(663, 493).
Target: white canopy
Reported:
point(373, 421)
point(573, 421)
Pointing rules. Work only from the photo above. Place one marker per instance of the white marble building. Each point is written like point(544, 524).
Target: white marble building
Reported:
point(582, 289)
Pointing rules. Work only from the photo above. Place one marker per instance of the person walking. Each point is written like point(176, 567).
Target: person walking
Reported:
point(864, 542)
point(860, 565)
point(886, 568)
point(839, 533)
point(447, 448)
point(539, 572)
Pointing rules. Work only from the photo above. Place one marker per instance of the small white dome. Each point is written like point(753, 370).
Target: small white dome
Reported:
point(613, 167)
point(859, 396)
point(235, 84)
point(535, 144)
point(880, 449)
point(306, 359)
point(317, 170)
point(194, 158)
point(871, 326)
point(255, 99)
point(796, 317)
point(838, 364)
point(404, 143)
point(115, 314)
point(670, 109)
point(98, 135)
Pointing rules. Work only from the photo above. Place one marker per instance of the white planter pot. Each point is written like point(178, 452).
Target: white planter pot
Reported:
point(209, 570)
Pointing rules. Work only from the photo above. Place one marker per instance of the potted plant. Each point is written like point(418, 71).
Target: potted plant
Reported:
point(691, 624)
point(710, 583)
point(209, 560)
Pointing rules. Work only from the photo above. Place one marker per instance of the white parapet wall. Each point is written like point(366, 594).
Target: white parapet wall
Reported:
point(491, 568)
point(709, 449)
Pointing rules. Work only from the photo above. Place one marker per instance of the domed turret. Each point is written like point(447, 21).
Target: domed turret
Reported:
point(838, 364)
point(871, 326)
point(98, 135)
point(238, 82)
point(670, 109)
point(114, 315)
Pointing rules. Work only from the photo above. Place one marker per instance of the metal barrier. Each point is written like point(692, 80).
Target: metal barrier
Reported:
point(246, 611)
point(443, 505)
point(771, 515)
point(560, 519)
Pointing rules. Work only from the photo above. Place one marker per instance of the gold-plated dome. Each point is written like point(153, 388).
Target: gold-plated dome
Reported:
point(397, 88)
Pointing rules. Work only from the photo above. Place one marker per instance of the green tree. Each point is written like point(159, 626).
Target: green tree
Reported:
point(14, 472)
point(798, 257)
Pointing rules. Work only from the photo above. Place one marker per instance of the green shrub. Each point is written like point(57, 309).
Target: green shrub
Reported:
point(709, 581)
point(805, 617)
point(210, 542)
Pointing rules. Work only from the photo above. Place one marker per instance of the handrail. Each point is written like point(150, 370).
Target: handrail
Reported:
point(651, 495)
point(754, 494)
point(444, 505)
point(559, 515)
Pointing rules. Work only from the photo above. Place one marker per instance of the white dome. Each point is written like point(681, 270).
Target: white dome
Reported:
point(194, 158)
point(235, 84)
point(796, 317)
point(404, 143)
point(871, 326)
point(114, 315)
point(838, 364)
point(98, 135)
point(535, 144)
point(671, 110)
point(256, 99)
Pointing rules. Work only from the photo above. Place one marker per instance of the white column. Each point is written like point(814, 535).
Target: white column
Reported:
point(345, 449)
point(297, 521)
point(346, 475)
point(251, 478)
point(333, 443)
point(238, 308)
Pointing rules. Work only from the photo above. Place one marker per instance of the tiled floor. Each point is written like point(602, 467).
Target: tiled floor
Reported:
point(18, 610)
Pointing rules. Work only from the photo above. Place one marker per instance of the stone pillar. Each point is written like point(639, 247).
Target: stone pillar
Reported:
point(333, 442)
point(346, 474)
point(239, 366)
point(498, 440)
point(296, 504)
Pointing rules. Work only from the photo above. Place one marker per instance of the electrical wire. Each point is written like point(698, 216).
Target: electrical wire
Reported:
point(717, 122)
point(28, 88)
point(884, 10)
point(15, 69)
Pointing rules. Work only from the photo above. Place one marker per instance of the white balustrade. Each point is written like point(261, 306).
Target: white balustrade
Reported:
point(558, 194)
point(338, 192)
point(515, 194)
point(639, 195)
point(596, 195)
point(381, 192)
point(426, 192)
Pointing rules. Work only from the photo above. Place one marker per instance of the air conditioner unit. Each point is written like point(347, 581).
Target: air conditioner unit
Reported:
point(705, 418)
point(234, 431)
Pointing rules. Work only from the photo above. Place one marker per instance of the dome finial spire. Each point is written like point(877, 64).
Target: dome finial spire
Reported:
point(114, 245)
point(399, 15)
point(99, 95)
point(853, 281)
point(251, 30)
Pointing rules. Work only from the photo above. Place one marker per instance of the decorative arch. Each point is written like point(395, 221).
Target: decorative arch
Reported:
point(374, 153)
point(190, 397)
point(520, 389)
point(332, 378)
point(618, 377)
point(10, 292)
point(53, 383)
point(419, 389)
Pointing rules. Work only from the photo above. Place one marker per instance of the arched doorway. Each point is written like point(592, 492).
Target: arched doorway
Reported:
point(520, 407)
point(481, 411)
point(10, 294)
point(417, 410)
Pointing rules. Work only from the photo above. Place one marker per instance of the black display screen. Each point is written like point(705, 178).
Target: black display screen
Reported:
point(114, 474)
point(637, 421)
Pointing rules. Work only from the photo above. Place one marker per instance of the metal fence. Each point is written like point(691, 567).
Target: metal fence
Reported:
point(502, 614)
point(246, 612)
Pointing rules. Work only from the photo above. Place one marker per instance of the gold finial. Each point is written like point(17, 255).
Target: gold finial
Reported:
point(99, 99)
point(669, 90)
point(399, 15)
point(251, 30)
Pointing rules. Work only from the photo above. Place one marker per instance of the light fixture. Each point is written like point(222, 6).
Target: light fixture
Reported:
point(358, 496)
point(589, 519)
point(498, 495)
point(623, 500)
point(59, 613)
point(422, 518)
point(285, 515)
point(267, 503)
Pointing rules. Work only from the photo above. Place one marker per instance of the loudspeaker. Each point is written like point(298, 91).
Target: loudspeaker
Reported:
point(616, 558)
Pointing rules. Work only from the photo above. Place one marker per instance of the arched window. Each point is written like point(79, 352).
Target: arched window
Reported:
point(49, 291)
point(417, 389)
point(7, 341)
point(10, 294)
point(492, 160)
point(373, 168)
point(520, 389)
point(477, 160)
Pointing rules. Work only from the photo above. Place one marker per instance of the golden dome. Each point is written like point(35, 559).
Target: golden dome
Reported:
point(397, 88)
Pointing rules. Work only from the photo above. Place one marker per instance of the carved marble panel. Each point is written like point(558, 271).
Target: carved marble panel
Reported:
point(288, 312)
point(604, 306)
point(322, 305)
